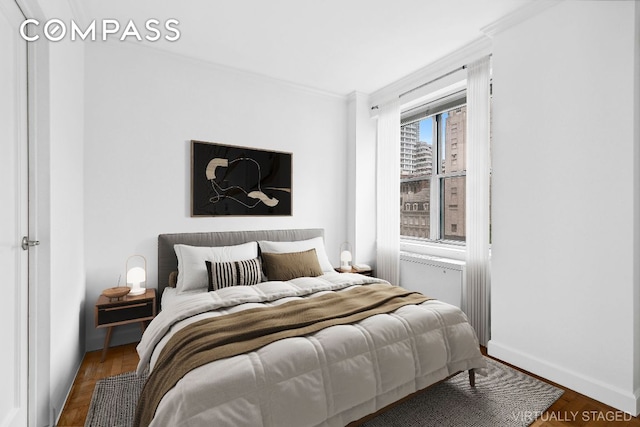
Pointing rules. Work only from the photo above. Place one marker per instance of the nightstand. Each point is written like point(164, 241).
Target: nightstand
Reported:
point(353, 270)
point(130, 309)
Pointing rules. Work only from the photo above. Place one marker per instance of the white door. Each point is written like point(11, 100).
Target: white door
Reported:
point(13, 218)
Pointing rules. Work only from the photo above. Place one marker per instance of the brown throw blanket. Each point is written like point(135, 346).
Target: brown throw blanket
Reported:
point(232, 334)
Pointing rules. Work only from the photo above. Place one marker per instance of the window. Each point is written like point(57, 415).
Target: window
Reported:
point(433, 169)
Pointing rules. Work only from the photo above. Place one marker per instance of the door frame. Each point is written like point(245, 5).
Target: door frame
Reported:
point(40, 411)
point(18, 410)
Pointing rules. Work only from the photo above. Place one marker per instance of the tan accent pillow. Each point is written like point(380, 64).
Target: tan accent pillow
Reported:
point(173, 279)
point(290, 265)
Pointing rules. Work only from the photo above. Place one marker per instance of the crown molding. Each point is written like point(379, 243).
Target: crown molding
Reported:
point(356, 95)
point(456, 59)
point(202, 62)
point(475, 50)
point(518, 16)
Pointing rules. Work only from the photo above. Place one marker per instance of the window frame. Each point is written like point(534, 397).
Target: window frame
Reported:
point(435, 243)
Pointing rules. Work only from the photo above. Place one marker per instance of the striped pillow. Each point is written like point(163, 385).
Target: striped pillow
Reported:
point(235, 273)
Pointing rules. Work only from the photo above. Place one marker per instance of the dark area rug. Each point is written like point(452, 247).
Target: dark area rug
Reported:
point(505, 397)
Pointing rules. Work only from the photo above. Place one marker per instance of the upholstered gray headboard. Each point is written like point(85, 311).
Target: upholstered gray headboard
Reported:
point(167, 261)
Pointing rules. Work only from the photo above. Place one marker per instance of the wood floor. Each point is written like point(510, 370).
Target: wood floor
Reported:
point(118, 360)
point(575, 409)
point(572, 409)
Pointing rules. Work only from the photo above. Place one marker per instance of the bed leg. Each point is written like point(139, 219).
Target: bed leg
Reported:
point(472, 377)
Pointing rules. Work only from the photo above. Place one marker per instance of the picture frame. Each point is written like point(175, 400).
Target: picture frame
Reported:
point(229, 180)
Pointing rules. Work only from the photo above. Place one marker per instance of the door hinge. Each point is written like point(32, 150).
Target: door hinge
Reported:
point(26, 243)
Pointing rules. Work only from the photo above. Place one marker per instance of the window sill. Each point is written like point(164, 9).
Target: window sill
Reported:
point(443, 250)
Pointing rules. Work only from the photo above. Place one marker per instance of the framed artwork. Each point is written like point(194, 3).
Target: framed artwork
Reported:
point(230, 180)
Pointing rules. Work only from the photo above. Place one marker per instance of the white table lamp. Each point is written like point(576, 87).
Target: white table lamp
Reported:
point(345, 257)
point(136, 276)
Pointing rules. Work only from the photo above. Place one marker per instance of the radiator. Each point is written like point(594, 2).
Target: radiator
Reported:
point(436, 277)
point(445, 279)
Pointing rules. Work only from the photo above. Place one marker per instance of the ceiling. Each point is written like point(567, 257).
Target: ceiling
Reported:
point(336, 46)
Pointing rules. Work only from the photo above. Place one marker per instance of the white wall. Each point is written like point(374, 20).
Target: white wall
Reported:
point(361, 179)
point(143, 107)
point(66, 61)
point(564, 261)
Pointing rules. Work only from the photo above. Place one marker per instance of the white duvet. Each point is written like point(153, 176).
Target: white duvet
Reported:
point(329, 378)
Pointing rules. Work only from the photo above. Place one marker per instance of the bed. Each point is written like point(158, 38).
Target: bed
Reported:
point(266, 333)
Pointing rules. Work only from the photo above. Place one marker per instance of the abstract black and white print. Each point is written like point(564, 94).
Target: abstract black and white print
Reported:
point(231, 180)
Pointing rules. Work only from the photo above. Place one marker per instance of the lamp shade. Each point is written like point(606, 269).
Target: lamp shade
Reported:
point(136, 274)
point(345, 256)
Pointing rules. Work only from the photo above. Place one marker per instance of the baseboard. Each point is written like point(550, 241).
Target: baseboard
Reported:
point(121, 336)
point(56, 408)
point(613, 396)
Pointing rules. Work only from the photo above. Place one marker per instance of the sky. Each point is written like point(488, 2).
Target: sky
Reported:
point(426, 130)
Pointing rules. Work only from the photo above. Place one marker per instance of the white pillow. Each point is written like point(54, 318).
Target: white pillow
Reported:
point(299, 246)
point(192, 270)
